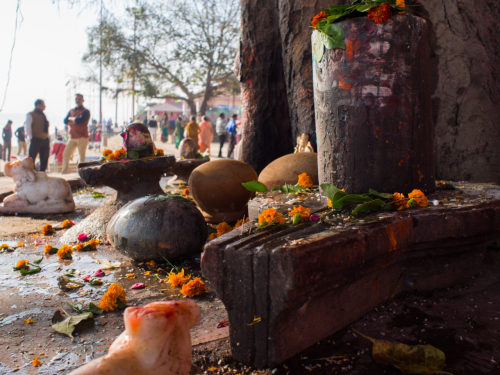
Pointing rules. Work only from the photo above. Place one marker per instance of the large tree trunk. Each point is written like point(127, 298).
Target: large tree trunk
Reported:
point(266, 133)
point(295, 30)
point(467, 94)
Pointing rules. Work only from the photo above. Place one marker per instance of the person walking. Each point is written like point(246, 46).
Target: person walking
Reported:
point(179, 131)
point(21, 140)
point(221, 131)
point(7, 140)
point(77, 120)
point(231, 130)
point(192, 130)
point(206, 135)
point(153, 126)
point(37, 130)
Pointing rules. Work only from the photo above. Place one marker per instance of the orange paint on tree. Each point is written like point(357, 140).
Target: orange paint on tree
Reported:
point(397, 234)
point(343, 84)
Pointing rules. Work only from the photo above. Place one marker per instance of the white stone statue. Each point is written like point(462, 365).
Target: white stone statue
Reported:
point(35, 192)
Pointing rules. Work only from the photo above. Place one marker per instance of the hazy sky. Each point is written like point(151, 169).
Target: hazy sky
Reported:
point(51, 40)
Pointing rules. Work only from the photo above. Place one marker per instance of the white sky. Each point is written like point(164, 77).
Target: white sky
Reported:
point(51, 40)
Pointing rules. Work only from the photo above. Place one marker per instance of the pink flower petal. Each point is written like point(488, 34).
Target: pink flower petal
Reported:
point(87, 278)
point(138, 286)
point(314, 218)
point(99, 273)
point(82, 237)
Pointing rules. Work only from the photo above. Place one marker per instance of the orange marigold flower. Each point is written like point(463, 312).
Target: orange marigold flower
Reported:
point(79, 246)
point(318, 17)
point(119, 154)
point(185, 191)
point(92, 243)
point(65, 252)
point(67, 223)
point(380, 14)
point(399, 201)
point(212, 236)
point(130, 275)
point(330, 203)
point(20, 244)
point(400, 3)
point(47, 230)
point(419, 197)
point(159, 152)
point(240, 222)
point(151, 263)
point(107, 152)
point(36, 362)
point(49, 249)
point(305, 181)
point(115, 293)
point(302, 211)
point(194, 288)
point(223, 228)
point(23, 263)
point(178, 279)
point(271, 216)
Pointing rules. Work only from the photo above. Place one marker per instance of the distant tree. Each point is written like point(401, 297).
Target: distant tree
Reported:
point(177, 49)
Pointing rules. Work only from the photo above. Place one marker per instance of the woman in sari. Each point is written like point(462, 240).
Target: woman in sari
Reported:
point(179, 131)
point(206, 135)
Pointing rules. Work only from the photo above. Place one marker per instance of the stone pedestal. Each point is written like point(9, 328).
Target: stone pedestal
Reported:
point(287, 288)
point(373, 107)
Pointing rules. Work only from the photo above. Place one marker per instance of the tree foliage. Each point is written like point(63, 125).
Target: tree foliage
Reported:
point(178, 49)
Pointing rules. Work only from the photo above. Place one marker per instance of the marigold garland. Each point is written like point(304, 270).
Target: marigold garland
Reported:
point(380, 14)
point(305, 181)
point(79, 247)
point(92, 244)
point(47, 230)
point(115, 293)
point(185, 192)
point(304, 212)
point(271, 216)
point(119, 154)
point(194, 288)
point(419, 198)
point(159, 152)
point(178, 279)
point(65, 252)
point(107, 153)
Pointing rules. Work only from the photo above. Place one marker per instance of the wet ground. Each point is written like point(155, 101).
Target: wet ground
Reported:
point(463, 321)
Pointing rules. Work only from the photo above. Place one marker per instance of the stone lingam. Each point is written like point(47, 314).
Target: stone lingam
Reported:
point(135, 174)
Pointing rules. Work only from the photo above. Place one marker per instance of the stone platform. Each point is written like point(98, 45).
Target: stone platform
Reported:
point(287, 288)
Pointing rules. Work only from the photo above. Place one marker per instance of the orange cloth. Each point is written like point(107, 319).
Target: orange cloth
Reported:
point(192, 130)
point(206, 135)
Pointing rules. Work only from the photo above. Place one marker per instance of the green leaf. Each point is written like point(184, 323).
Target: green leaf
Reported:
point(38, 261)
point(31, 271)
point(287, 188)
point(67, 326)
point(329, 190)
point(370, 206)
point(98, 195)
point(296, 219)
point(77, 307)
point(376, 194)
point(94, 309)
point(346, 200)
point(255, 186)
point(120, 304)
point(276, 188)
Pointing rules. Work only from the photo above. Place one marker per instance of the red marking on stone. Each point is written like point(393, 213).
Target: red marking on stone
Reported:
point(420, 175)
point(400, 163)
point(397, 233)
point(343, 84)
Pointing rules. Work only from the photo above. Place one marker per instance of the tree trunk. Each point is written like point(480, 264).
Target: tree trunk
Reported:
point(295, 21)
point(267, 132)
point(467, 94)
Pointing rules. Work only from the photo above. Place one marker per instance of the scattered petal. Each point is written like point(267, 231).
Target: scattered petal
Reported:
point(138, 286)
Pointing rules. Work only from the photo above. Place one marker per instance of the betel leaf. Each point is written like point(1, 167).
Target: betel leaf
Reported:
point(94, 309)
point(370, 206)
point(255, 186)
point(348, 200)
point(68, 325)
point(329, 190)
point(318, 45)
point(30, 271)
point(287, 188)
point(38, 261)
point(376, 194)
point(336, 38)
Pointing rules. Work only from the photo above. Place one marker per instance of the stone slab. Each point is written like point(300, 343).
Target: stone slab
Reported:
point(287, 288)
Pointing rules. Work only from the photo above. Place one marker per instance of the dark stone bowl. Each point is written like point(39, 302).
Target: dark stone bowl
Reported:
point(157, 227)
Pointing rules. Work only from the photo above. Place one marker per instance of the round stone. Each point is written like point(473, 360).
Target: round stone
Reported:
point(286, 169)
point(157, 227)
point(216, 188)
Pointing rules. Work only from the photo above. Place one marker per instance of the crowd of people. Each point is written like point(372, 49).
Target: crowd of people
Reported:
point(81, 136)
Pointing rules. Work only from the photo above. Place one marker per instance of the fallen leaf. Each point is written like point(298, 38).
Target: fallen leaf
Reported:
point(68, 325)
point(106, 265)
point(414, 359)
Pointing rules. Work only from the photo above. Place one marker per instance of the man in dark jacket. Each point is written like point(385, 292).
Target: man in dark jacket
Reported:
point(37, 128)
point(7, 140)
point(21, 140)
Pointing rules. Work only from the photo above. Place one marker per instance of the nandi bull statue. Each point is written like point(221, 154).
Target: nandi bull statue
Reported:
point(35, 192)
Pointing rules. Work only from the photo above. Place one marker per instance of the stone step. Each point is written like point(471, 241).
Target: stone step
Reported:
point(287, 288)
